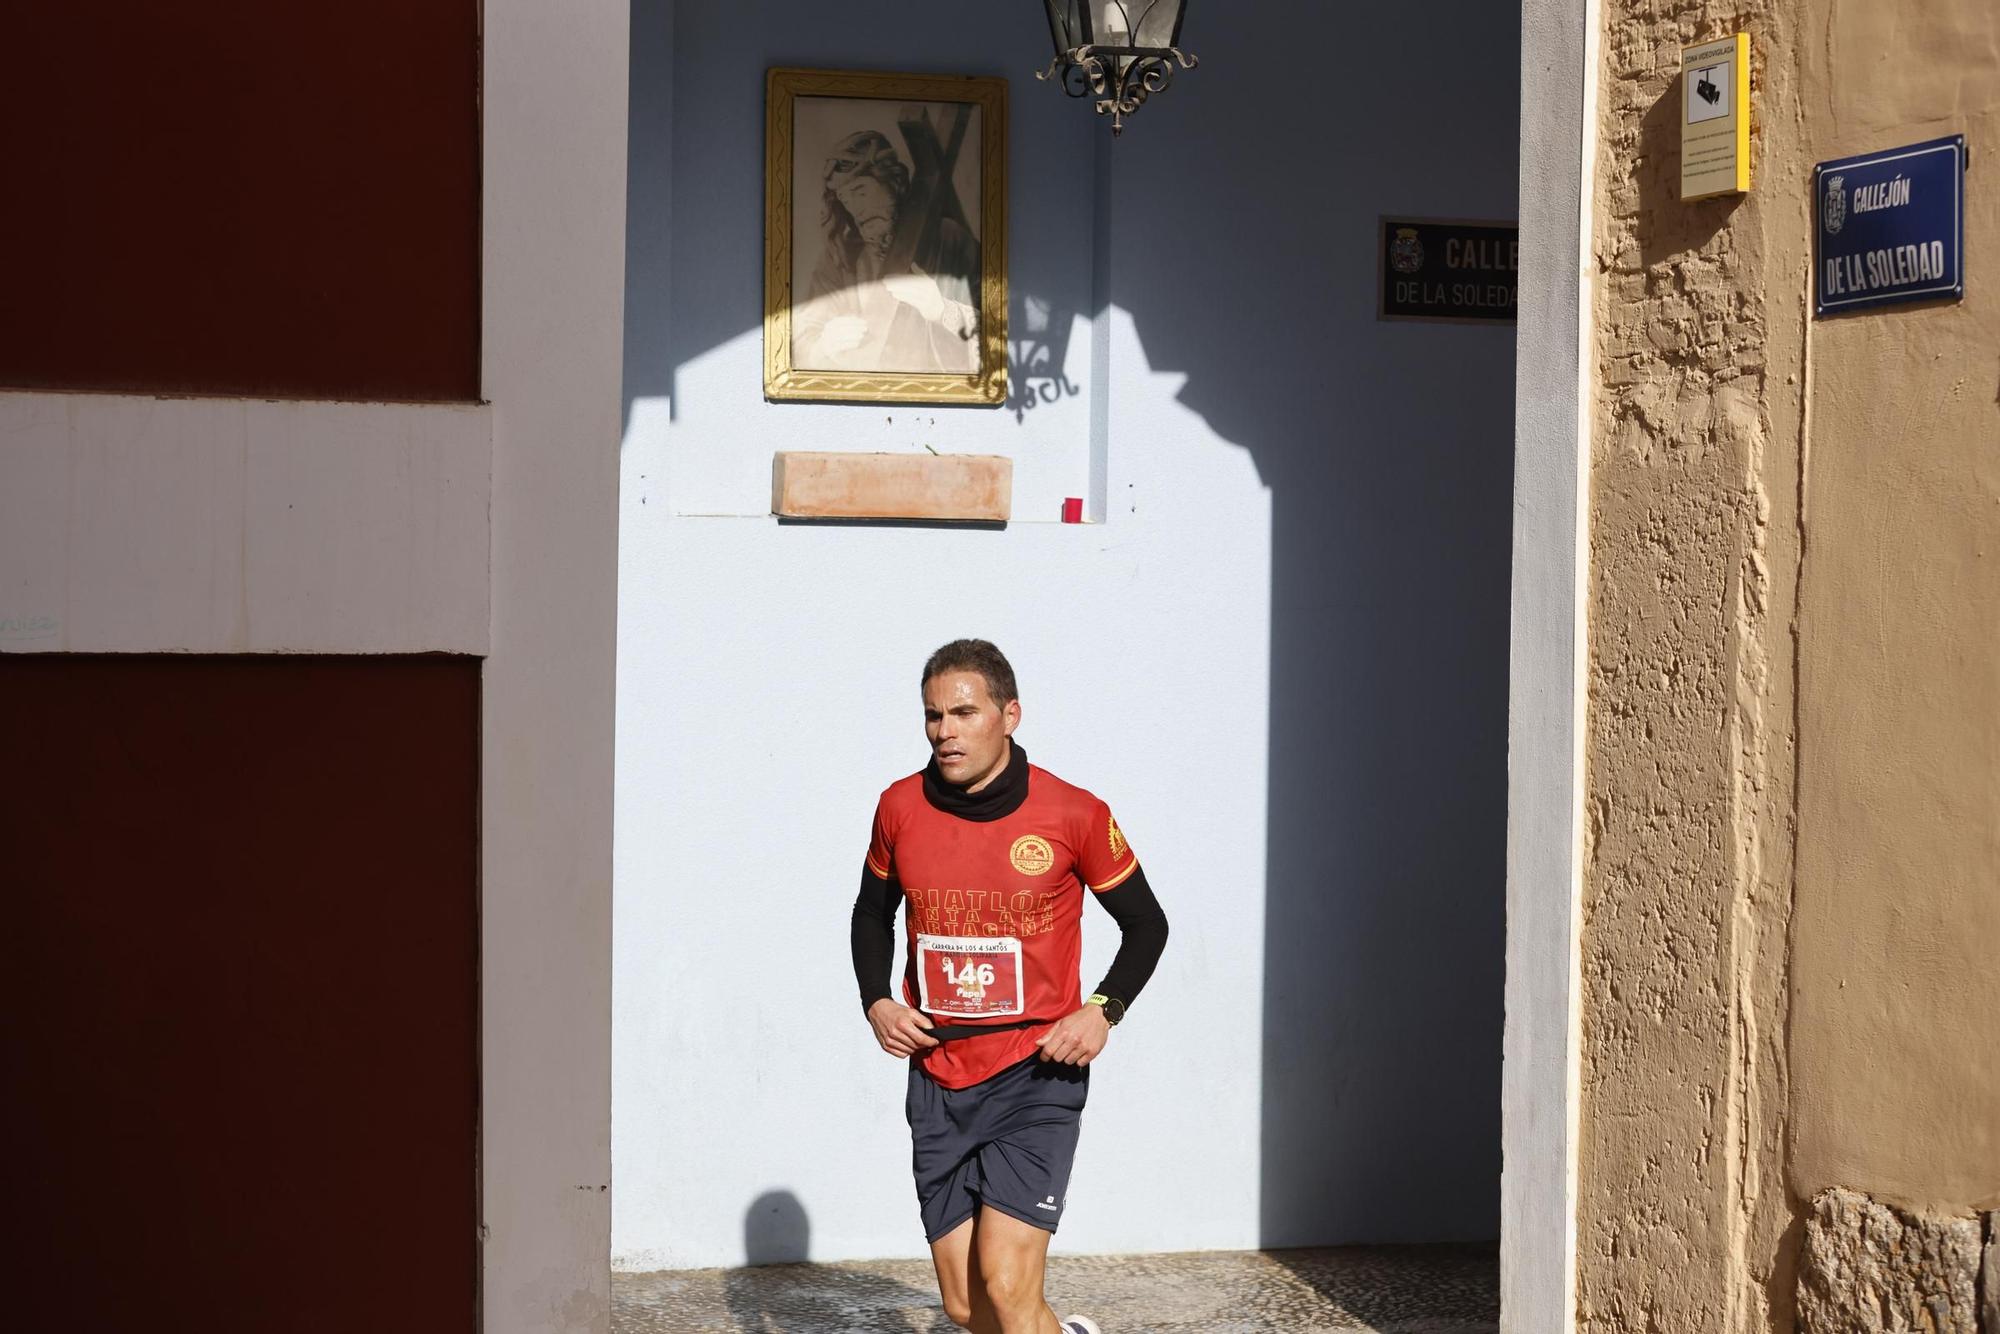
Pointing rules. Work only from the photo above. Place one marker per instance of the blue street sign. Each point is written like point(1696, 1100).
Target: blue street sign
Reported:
point(1891, 226)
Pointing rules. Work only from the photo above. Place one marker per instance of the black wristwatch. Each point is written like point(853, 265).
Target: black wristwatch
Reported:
point(1114, 1009)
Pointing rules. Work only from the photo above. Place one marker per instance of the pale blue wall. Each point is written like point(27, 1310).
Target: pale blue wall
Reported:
point(1282, 659)
point(1388, 449)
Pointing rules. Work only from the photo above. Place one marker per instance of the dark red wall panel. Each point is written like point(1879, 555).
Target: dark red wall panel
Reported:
point(242, 197)
point(239, 974)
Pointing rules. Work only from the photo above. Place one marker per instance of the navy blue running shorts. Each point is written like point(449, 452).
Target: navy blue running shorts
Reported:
point(1006, 1142)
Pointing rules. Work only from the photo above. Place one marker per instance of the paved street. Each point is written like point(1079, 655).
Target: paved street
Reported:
point(1386, 1289)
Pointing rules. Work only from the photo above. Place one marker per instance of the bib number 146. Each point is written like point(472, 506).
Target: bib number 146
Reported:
point(969, 976)
point(967, 979)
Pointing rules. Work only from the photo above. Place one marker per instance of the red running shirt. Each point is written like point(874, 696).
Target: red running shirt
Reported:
point(993, 912)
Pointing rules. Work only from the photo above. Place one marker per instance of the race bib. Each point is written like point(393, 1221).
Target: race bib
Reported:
point(969, 976)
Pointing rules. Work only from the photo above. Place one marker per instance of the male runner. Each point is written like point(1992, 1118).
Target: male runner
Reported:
point(990, 856)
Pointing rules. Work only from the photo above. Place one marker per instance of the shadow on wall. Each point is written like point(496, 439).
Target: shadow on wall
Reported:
point(1037, 352)
point(776, 1230)
point(781, 1294)
point(1241, 243)
point(1388, 451)
point(1673, 228)
point(844, 318)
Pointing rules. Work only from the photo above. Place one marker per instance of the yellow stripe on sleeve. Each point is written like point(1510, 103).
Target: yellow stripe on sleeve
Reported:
point(1118, 879)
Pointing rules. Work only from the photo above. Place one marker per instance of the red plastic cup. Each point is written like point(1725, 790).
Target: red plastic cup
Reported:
point(1073, 509)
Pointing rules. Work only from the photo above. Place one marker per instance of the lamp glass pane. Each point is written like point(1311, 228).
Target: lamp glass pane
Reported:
point(1066, 23)
point(1136, 22)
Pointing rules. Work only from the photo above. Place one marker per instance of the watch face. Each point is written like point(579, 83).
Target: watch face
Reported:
point(1114, 1010)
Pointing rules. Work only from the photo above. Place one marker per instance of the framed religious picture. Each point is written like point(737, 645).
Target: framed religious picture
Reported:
point(885, 245)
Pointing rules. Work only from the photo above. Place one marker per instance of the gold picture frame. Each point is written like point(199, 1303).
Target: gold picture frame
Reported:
point(893, 311)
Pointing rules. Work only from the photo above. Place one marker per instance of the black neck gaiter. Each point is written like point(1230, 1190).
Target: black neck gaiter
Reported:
point(997, 800)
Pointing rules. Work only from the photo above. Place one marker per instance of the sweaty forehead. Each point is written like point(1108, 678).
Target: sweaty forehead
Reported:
point(952, 689)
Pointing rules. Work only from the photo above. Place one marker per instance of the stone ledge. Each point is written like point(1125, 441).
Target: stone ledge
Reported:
point(976, 488)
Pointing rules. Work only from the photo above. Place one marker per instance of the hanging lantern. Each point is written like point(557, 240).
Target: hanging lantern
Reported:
point(1118, 51)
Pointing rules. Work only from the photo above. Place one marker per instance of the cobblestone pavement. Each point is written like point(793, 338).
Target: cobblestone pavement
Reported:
point(1386, 1289)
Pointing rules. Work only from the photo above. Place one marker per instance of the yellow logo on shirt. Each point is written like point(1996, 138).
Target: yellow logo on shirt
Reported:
point(1117, 841)
point(1031, 854)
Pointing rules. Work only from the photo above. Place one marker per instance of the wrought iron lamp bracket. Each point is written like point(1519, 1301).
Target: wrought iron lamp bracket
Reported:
point(1094, 71)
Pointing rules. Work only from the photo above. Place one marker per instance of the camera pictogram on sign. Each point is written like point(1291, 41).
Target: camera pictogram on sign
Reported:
point(1708, 93)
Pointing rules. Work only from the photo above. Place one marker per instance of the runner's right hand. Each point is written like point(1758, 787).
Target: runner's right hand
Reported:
point(900, 1029)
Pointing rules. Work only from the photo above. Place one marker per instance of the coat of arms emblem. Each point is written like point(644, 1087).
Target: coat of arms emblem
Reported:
point(1406, 252)
point(1836, 205)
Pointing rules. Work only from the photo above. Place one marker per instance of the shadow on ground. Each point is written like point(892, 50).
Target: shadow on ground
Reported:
point(1383, 1289)
point(778, 1292)
point(1402, 1288)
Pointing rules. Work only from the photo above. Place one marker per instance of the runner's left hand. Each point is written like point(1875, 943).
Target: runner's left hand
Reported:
point(1077, 1038)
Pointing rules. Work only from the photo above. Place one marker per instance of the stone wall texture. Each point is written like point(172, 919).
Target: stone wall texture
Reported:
point(1989, 1276)
point(1869, 1268)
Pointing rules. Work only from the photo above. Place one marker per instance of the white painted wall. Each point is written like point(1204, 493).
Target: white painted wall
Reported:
point(136, 524)
point(768, 685)
point(769, 694)
point(1317, 1059)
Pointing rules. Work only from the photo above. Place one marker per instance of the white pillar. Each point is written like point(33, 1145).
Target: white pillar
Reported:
point(554, 235)
point(1553, 370)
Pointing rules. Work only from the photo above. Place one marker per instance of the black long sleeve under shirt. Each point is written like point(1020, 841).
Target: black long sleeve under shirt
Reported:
point(1142, 923)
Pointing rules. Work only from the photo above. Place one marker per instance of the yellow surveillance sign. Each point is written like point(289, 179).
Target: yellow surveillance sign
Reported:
point(1715, 118)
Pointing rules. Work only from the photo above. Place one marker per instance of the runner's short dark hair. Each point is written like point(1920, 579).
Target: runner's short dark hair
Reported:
point(975, 655)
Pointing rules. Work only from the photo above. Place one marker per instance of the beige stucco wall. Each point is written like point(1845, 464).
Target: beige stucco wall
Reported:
point(1687, 876)
point(1792, 633)
point(1896, 964)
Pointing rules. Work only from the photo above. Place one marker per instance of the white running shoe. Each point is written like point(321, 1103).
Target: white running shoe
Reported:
point(1080, 1324)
